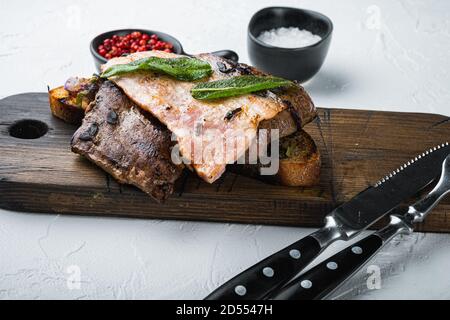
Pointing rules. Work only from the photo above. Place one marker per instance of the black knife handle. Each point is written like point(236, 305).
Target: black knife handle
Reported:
point(328, 275)
point(271, 273)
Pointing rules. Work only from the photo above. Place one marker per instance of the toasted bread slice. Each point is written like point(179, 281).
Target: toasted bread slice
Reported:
point(71, 101)
point(299, 160)
point(64, 106)
point(299, 164)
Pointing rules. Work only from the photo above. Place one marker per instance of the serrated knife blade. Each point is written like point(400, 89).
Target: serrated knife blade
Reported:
point(343, 223)
point(346, 263)
point(375, 202)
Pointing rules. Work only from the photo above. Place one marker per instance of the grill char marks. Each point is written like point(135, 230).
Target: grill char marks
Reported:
point(131, 146)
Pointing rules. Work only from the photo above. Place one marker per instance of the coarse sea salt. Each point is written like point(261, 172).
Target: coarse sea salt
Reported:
point(291, 37)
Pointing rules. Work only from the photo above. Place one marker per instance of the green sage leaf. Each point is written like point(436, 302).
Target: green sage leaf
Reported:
point(236, 86)
point(184, 68)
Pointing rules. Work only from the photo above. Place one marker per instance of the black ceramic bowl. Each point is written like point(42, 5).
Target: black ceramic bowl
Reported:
point(292, 63)
point(177, 47)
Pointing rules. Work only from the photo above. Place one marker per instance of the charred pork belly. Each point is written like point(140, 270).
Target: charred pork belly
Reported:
point(135, 148)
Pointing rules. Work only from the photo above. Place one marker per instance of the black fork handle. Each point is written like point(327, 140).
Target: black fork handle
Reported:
point(261, 279)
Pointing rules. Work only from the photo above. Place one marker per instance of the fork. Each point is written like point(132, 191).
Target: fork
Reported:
point(327, 276)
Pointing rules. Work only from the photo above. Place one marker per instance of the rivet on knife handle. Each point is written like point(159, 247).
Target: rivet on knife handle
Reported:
point(325, 277)
point(269, 274)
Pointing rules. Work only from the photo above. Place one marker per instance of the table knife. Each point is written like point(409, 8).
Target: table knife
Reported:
point(327, 276)
point(343, 223)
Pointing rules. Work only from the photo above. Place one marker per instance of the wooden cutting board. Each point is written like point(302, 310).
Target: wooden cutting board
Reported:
point(357, 147)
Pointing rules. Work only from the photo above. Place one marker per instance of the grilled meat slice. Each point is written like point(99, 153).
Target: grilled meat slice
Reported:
point(299, 108)
point(135, 149)
point(206, 137)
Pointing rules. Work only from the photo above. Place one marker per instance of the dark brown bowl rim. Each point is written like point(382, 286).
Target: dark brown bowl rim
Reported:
point(268, 46)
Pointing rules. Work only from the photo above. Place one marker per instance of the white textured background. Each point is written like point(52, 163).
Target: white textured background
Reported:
point(385, 55)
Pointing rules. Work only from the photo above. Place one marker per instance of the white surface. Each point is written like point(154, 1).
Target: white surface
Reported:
point(385, 55)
